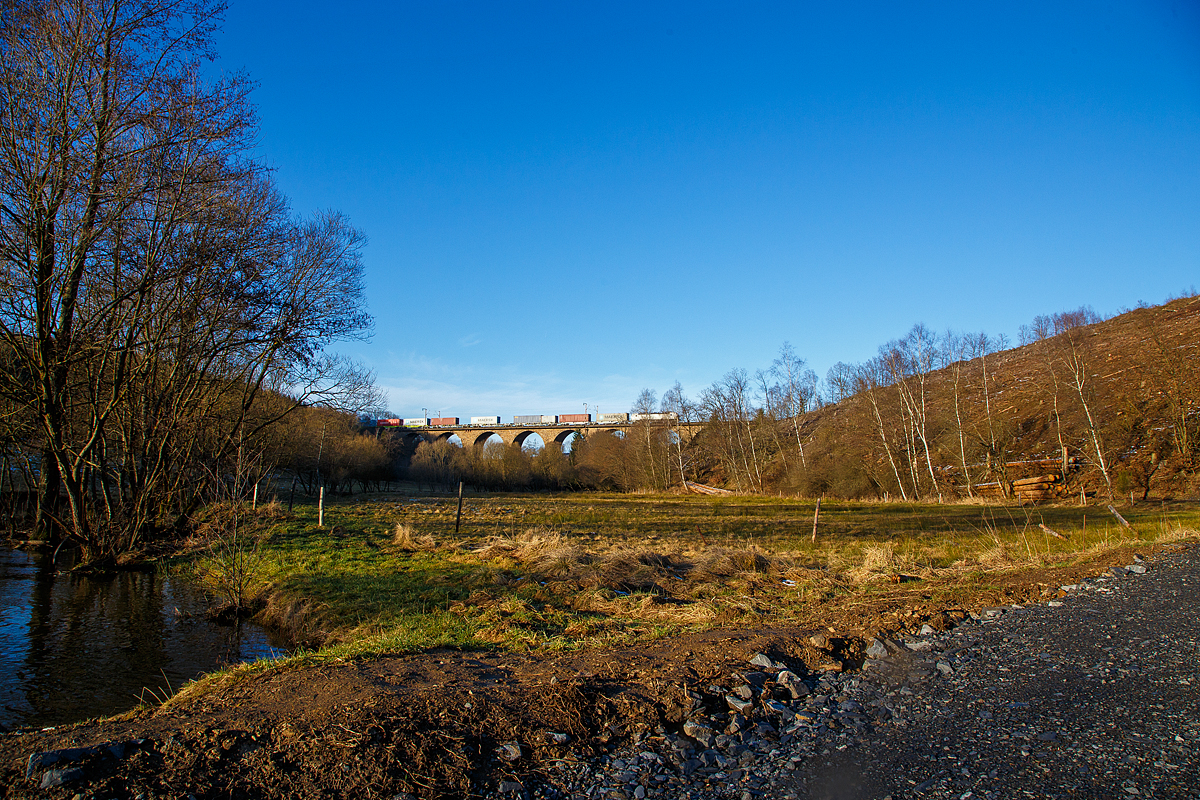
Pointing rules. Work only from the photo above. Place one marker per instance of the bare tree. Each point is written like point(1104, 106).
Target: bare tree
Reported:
point(796, 389)
point(154, 285)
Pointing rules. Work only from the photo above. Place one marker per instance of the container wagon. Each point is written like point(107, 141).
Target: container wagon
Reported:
point(614, 417)
point(485, 420)
point(416, 422)
point(574, 418)
point(443, 421)
point(655, 417)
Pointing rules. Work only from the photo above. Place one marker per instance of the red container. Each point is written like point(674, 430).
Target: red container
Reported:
point(444, 421)
point(574, 417)
point(389, 422)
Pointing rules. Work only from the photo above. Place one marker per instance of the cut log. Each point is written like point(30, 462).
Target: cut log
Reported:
point(700, 488)
point(1051, 532)
point(1036, 479)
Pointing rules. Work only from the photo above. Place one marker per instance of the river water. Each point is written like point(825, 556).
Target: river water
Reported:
point(75, 647)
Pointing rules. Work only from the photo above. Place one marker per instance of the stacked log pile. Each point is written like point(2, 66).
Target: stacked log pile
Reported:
point(1038, 488)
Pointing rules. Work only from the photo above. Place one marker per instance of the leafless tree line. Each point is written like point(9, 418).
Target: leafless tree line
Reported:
point(938, 416)
point(160, 308)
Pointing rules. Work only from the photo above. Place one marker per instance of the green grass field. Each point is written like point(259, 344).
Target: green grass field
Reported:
point(571, 570)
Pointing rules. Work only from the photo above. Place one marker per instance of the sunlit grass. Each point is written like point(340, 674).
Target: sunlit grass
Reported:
point(387, 574)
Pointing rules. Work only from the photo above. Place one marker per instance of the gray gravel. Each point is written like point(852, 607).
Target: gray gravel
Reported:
point(1094, 695)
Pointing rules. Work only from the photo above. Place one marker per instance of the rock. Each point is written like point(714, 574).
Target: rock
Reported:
point(737, 723)
point(509, 751)
point(1055, 603)
point(744, 692)
point(639, 792)
point(59, 777)
point(755, 679)
point(779, 709)
point(791, 681)
point(1118, 571)
point(1137, 569)
point(765, 729)
point(507, 787)
point(47, 758)
point(557, 738)
point(764, 661)
point(852, 706)
point(927, 629)
point(819, 641)
point(701, 733)
point(919, 647)
point(992, 612)
point(1070, 587)
point(739, 705)
point(945, 668)
point(877, 649)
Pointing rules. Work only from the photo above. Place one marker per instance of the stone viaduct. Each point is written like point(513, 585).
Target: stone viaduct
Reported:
point(551, 434)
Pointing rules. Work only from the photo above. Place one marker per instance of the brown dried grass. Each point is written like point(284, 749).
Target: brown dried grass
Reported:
point(405, 537)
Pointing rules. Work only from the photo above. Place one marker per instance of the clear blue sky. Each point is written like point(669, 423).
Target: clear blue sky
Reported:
point(568, 202)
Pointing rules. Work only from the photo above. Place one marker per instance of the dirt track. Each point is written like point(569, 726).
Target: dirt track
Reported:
point(436, 723)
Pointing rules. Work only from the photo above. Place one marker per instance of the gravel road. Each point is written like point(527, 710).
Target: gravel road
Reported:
point(1092, 695)
point(1097, 697)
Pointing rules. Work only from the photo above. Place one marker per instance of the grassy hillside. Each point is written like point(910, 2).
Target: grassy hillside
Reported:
point(1121, 395)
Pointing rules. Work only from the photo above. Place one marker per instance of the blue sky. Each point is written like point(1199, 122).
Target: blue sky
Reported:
point(568, 202)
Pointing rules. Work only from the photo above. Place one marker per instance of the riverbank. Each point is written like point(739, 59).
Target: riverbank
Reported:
point(463, 723)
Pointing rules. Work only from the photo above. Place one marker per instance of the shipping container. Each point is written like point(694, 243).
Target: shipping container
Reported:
point(416, 422)
point(574, 417)
point(614, 417)
point(389, 423)
point(485, 420)
point(654, 417)
point(527, 419)
point(442, 421)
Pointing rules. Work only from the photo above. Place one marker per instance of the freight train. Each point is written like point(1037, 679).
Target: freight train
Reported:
point(520, 419)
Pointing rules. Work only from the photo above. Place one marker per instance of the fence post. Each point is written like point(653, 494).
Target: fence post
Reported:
point(458, 516)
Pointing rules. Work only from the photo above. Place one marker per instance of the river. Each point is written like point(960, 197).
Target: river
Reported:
point(74, 647)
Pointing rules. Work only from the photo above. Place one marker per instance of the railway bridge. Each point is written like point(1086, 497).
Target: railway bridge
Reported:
point(551, 433)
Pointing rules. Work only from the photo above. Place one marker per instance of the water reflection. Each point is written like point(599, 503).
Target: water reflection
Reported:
point(74, 647)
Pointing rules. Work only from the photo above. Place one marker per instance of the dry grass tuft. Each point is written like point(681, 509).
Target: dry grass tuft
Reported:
point(272, 510)
point(721, 563)
point(883, 560)
point(526, 548)
point(404, 537)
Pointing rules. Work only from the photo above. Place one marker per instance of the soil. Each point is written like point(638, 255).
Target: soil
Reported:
point(434, 724)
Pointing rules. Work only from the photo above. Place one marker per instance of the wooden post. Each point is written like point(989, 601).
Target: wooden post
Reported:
point(254, 502)
point(1120, 519)
point(458, 516)
point(321, 508)
point(816, 519)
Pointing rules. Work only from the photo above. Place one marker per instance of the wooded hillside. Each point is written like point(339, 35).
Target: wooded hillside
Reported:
point(1120, 396)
